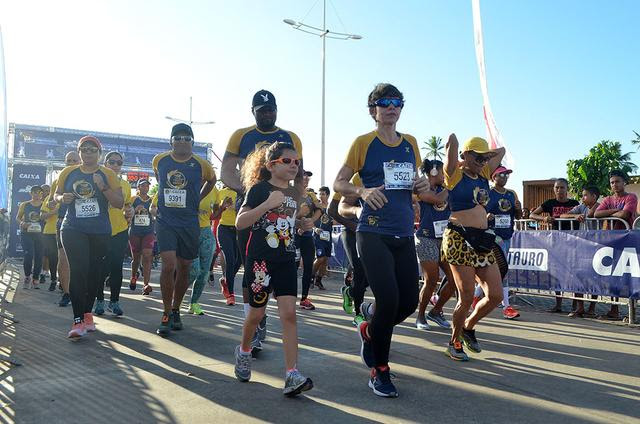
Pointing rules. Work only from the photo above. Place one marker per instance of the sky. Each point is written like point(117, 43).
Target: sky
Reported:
point(562, 75)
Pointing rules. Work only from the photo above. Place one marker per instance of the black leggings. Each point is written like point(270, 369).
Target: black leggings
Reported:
point(115, 257)
point(359, 283)
point(51, 251)
point(228, 240)
point(391, 267)
point(86, 254)
point(307, 253)
point(32, 248)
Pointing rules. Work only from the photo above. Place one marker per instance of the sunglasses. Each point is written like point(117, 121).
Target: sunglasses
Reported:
point(503, 175)
point(287, 161)
point(89, 149)
point(115, 162)
point(480, 158)
point(386, 102)
point(186, 138)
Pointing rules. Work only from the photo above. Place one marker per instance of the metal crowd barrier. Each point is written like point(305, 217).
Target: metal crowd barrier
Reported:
point(573, 224)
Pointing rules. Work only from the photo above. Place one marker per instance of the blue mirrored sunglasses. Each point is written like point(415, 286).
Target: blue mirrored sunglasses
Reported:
point(385, 102)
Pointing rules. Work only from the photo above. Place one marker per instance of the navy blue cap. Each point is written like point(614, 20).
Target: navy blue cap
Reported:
point(263, 98)
point(181, 129)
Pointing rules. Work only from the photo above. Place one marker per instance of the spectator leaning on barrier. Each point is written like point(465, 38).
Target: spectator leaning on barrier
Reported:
point(586, 209)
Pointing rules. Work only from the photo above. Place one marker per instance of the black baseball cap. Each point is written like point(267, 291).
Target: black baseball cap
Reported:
point(263, 98)
point(181, 129)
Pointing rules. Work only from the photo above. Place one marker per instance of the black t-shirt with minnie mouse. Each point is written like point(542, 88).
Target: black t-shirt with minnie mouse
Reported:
point(271, 236)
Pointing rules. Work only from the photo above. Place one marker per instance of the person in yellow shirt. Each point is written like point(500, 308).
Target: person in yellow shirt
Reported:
point(50, 218)
point(119, 218)
point(206, 245)
point(228, 240)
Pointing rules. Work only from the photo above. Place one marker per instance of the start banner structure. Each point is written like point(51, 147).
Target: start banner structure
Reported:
point(597, 262)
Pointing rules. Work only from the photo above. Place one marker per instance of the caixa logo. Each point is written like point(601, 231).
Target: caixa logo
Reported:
point(29, 176)
point(528, 259)
point(605, 264)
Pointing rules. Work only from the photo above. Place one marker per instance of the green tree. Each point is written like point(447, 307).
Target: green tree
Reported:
point(594, 168)
point(434, 148)
point(636, 141)
point(153, 190)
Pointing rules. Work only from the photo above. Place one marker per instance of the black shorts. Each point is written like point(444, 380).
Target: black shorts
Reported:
point(323, 249)
point(264, 277)
point(184, 240)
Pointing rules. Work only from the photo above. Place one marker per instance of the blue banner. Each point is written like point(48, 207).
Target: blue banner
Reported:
point(597, 262)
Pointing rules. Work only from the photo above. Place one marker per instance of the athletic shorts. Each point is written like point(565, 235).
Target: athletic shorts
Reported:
point(323, 249)
point(264, 277)
point(428, 249)
point(183, 240)
point(138, 243)
point(456, 251)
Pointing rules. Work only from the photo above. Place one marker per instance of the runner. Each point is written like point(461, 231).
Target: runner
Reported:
point(466, 243)
point(386, 161)
point(269, 210)
point(46, 266)
point(434, 217)
point(119, 218)
point(71, 158)
point(50, 218)
point(87, 190)
point(141, 236)
point(31, 237)
point(502, 211)
point(206, 245)
point(179, 173)
point(322, 239)
point(241, 143)
point(309, 208)
point(228, 240)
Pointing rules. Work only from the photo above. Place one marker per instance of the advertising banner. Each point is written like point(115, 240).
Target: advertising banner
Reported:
point(24, 177)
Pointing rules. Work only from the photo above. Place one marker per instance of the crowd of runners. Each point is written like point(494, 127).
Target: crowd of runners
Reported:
point(264, 218)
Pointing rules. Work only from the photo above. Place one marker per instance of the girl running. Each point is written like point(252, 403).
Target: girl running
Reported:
point(270, 210)
point(31, 237)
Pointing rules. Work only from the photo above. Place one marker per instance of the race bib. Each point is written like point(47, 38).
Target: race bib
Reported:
point(87, 208)
point(174, 198)
point(141, 220)
point(438, 227)
point(34, 227)
point(398, 176)
point(325, 235)
point(503, 221)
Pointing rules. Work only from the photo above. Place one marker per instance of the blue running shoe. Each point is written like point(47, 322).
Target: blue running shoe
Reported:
point(99, 307)
point(115, 309)
point(438, 319)
point(380, 383)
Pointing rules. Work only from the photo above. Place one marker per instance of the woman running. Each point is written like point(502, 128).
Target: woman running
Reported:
point(466, 244)
point(270, 210)
point(228, 239)
point(309, 208)
point(322, 239)
point(31, 237)
point(387, 162)
point(142, 236)
point(87, 190)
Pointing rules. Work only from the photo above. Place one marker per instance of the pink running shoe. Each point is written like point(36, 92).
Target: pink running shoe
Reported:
point(77, 331)
point(89, 325)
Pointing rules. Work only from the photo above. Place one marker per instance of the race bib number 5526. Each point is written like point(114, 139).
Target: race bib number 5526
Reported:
point(87, 208)
point(398, 176)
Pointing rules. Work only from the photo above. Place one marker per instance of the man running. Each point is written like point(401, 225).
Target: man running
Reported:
point(322, 239)
point(241, 144)
point(180, 174)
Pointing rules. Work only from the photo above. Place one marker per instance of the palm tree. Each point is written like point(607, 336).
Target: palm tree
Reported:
point(434, 147)
point(636, 141)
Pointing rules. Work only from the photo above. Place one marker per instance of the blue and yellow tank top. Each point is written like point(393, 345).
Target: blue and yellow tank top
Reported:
point(466, 192)
point(433, 218)
point(503, 207)
point(142, 222)
point(246, 140)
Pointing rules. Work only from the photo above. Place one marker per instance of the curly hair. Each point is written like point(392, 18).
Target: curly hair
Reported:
point(255, 169)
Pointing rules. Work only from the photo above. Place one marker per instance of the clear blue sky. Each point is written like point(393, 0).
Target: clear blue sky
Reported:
point(562, 75)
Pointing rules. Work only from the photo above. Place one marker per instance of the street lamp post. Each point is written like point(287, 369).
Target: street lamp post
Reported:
point(191, 122)
point(323, 33)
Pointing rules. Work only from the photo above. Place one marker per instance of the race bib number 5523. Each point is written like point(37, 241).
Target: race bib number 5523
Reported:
point(398, 176)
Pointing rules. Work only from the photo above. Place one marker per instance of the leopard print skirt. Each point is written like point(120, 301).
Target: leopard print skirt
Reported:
point(456, 251)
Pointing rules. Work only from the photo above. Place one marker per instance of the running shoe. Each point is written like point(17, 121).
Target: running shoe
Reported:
point(231, 299)
point(319, 285)
point(510, 313)
point(469, 339)
point(364, 310)
point(224, 287)
point(456, 352)
point(26, 283)
point(438, 319)
point(114, 308)
point(366, 352)
point(99, 310)
point(89, 325)
point(165, 325)
point(176, 322)
point(422, 324)
point(243, 365)
point(256, 344)
point(35, 284)
point(147, 289)
point(357, 320)
point(64, 300)
point(261, 331)
point(306, 304)
point(347, 300)
point(296, 383)
point(43, 279)
point(380, 383)
point(77, 330)
point(132, 283)
point(195, 309)
point(53, 284)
